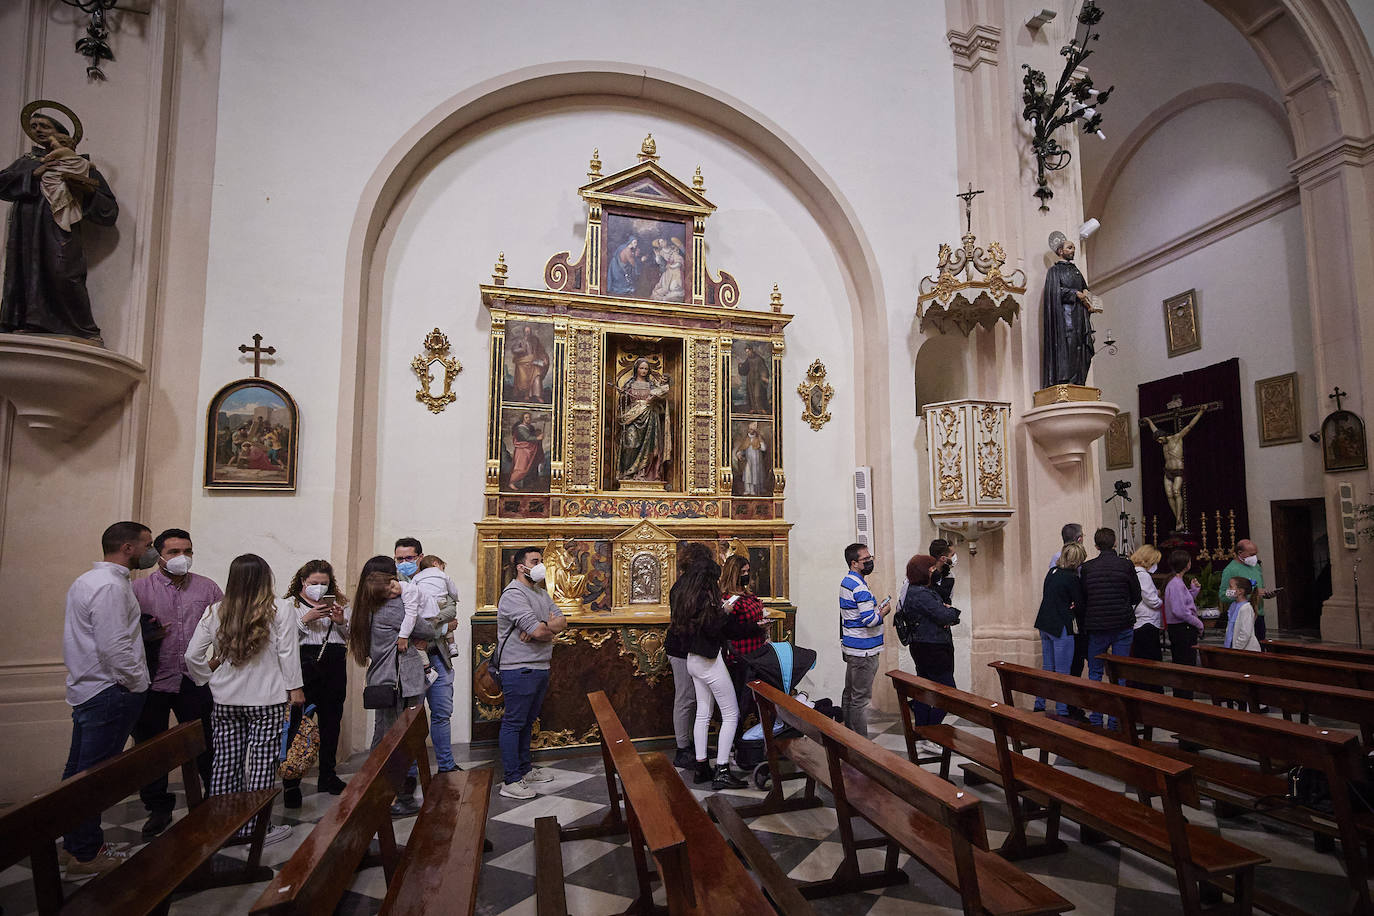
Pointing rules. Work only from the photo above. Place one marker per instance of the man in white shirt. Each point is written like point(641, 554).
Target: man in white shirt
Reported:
point(107, 675)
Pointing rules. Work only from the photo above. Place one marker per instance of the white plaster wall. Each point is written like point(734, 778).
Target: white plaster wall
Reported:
point(1206, 161)
point(1252, 300)
point(312, 96)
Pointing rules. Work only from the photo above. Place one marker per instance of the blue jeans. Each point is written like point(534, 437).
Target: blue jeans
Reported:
point(440, 696)
point(524, 689)
point(1117, 642)
point(100, 726)
point(1056, 654)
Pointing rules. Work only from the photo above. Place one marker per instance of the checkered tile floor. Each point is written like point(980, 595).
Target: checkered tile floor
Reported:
point(1102, 879)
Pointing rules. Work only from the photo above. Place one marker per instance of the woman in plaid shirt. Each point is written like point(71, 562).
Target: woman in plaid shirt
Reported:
point(739, 600)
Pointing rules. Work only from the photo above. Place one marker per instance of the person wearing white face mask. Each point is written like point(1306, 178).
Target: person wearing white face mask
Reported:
point(526, 611)
point(107, 677)
point(1247, 566)
point(321, 612)
point(176, 598)
point(1149, 624)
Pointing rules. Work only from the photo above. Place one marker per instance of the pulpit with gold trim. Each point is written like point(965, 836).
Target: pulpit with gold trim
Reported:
point(634, 407)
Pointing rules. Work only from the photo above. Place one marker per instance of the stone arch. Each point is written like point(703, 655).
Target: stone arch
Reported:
point(1167, 112)
point(356, 443)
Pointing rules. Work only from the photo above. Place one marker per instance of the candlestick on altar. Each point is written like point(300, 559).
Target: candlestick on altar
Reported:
point(1231, 523)
point(1204, 554)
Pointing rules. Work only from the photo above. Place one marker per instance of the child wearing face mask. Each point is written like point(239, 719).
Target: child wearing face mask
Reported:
point(1240, 626)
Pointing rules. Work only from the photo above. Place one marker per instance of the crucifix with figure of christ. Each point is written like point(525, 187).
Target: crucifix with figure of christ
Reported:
point(1172, 445)
point(257, 350)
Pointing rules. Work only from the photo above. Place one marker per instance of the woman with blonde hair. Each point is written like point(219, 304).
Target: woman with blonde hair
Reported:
point(1061, 610)
point(1149, 627)
point(245, 648)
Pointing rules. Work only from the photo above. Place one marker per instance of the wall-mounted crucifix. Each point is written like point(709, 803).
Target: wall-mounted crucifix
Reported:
point(1172, 445)
point(258, 350)
point(1336, 395)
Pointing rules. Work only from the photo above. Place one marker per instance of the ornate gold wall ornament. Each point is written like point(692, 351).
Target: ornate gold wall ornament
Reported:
point(1276, 405)
point(487, 712)
point(648, 150)
point(815, 393)
point(646, 648)
point(597, 638)
point(949, 455)
point(953, 295)
point(991, 479)
point(436, 346)
point(540, 739)
point(1181, 331)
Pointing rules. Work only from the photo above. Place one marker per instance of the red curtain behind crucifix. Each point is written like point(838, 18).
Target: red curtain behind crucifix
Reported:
point(1213, 452)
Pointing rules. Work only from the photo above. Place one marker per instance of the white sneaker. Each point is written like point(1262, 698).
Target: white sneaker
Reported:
point(929, 748)
point(538, 774)
point(517, 789)
point(277, 833)
point(106, 859)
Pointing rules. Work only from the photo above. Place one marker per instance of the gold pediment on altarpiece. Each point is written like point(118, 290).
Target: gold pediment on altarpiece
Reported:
point(647, 185)
point(644, 567)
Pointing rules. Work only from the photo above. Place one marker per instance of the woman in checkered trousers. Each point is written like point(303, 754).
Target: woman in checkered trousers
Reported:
point(246, 649)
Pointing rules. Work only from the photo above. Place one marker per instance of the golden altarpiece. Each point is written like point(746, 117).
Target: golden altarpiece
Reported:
point(633, 408)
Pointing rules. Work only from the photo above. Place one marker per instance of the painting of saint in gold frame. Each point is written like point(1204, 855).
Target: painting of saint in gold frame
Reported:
point(1181, 331)
point(251, 435)
point(527, 377)
point(751, 457)
point(751, 377)
point(646, 258)
point(525, 437)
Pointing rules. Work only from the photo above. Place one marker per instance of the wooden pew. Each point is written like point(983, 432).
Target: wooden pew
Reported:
point(443, 856)
point(1295, 668)
point(178, 860)
point(1269, 740)
point(699, 872)
point(1197, 856)
point(1326, 651)
point(935, 822)
point(1301, 698)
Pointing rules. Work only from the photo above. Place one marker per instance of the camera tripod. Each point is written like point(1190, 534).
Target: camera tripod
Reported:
point(1124, 541)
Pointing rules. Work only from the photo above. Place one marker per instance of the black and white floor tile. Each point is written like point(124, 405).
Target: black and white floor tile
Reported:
point(1103, 879)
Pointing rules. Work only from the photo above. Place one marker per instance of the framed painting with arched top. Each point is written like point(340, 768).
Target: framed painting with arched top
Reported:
point(252, 431)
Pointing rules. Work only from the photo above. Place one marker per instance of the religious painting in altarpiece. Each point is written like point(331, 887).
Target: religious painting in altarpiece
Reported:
point(633, 409)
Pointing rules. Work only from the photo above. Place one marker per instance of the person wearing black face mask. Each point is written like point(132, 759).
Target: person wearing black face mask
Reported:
point(861, 636)
point(942, 576)
point(107, 676)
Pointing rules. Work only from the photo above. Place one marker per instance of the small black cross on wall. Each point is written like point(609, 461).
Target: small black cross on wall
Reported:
point(1336, 395)
point(257, 350)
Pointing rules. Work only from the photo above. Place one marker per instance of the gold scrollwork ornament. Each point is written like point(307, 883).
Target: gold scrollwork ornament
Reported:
point(436, 346)
point(816, 393)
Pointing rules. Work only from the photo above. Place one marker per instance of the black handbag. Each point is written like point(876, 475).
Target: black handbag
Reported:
point(384, 696)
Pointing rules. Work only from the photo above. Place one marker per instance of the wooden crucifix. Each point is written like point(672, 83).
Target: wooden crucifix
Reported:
point(1172, 445)
point(257, 350)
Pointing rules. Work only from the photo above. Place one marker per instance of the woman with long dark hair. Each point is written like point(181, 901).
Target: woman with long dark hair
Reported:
point(245, 648)
point(932, 646)
point(374, 640)
point(321, 612)
point(700, 621)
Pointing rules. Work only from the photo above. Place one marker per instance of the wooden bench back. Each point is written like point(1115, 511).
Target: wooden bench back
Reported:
point(1331, 652)
point(1240, 732)
point(60, 809)
point(314, 879)
point(932, 796)
point(1146, 770)
point(1339, 674)
point(649, 814)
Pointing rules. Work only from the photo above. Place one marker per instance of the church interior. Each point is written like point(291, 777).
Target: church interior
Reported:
point(597, 316)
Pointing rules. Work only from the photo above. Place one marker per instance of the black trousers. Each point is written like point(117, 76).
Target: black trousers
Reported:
point(1183, 650)
point(326, 688)
point(934, 662)
point(1145, 644)
point(189, 703)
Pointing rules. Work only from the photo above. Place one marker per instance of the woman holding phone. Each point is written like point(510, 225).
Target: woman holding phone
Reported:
point(320, 610)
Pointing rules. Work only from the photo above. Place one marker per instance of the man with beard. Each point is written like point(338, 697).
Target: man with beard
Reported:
point(1066, 349)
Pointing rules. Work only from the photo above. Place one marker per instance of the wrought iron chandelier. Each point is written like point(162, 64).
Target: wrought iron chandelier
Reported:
point(1074, 99)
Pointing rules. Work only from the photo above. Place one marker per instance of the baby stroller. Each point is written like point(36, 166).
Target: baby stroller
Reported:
point(780, 665)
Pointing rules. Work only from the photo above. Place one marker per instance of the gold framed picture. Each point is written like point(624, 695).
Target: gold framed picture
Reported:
point(252, 429)
point(1118, 443)
point(1181, 331)
point(1276, 405)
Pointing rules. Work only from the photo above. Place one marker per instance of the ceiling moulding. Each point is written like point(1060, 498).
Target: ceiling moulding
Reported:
point(62, 385)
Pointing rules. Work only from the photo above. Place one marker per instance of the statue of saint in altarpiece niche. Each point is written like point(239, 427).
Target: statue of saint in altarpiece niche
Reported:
point(644, 435)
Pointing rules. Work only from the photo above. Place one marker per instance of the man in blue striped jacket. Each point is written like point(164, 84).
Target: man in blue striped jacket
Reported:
point(861, 636)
